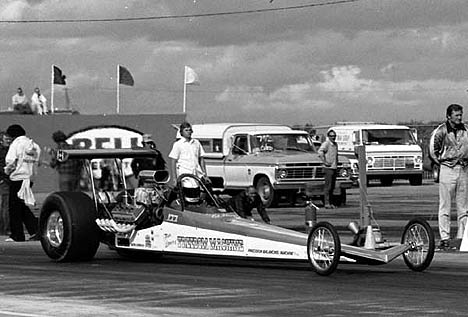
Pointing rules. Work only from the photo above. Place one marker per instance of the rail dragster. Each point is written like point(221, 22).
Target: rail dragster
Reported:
point(189, 218)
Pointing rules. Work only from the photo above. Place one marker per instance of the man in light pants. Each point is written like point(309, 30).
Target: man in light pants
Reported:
point(448, 147)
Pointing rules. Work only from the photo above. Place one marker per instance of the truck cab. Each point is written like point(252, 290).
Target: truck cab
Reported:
point(276, 159)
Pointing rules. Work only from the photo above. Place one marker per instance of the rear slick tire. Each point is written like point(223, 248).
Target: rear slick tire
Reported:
point(67, 227)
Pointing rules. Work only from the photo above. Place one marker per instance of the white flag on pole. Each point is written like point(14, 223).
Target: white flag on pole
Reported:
point(191, 78)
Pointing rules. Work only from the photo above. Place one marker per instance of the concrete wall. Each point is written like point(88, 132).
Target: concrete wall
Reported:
point(40, 128)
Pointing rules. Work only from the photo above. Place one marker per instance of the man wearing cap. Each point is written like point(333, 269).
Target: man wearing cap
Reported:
point(21, 160)
point(148, 163)
point(69, 172)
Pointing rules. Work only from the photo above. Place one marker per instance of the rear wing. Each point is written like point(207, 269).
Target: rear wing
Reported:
point(63, 155)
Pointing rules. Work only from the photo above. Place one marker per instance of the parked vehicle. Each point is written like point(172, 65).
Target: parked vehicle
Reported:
point(276, 159)
point(392, 151)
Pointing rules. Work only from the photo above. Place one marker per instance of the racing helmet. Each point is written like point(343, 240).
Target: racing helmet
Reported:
point(191, 190)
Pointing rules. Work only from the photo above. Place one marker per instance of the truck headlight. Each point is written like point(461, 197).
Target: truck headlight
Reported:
point(344, 172)
point(370, 161)
point(418, 160)
point(282, 173)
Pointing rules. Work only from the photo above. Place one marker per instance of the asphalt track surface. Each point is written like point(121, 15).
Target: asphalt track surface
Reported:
point(32, 285)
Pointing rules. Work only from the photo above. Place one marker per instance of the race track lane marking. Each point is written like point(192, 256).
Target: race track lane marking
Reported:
point(11, 313)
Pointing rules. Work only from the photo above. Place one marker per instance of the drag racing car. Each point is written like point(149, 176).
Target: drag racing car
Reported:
point(190, 218)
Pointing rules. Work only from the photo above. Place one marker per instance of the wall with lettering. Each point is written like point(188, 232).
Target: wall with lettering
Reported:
point(93, 131)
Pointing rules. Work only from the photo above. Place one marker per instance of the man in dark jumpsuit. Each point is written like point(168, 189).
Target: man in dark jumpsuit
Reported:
point(244, 202)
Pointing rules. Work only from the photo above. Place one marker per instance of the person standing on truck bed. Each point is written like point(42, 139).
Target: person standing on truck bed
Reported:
point(328, 152)
point(187, 155)
point(448, 148)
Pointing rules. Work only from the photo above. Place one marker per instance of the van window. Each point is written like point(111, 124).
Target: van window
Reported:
point(211, 145)
point(388, 136)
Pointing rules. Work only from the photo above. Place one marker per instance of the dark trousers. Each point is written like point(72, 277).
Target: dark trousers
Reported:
point(19, 214)
point(330, 179)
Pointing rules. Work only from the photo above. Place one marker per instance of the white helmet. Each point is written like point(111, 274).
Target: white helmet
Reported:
point(191, 190)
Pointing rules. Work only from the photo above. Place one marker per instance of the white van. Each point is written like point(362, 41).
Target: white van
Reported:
point(392, 151)
point(276, 159)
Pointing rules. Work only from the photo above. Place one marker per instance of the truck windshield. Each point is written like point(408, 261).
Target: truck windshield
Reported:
point(388, 137)
point(282, 142)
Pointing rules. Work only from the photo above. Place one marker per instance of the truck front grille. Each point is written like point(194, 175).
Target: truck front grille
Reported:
point(393, 162)
point(304, 171)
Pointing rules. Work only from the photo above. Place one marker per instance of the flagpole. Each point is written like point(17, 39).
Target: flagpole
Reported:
point(118, 89)
point(185, 90)
point(52, 89)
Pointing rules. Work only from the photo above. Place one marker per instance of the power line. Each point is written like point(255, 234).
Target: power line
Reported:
point(163, 17)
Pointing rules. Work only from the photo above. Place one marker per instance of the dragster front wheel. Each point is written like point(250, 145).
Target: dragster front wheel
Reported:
point(419, 236)
point(323, 248)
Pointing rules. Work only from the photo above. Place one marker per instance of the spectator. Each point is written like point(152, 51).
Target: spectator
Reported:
point(69, 172)
point(5, 141)
point(244, 202)
point(448, 148)
point(187, 155)
point(38, 102)
point(146, 163)
point(21, 160)
point(20, 102)
point(328, 152)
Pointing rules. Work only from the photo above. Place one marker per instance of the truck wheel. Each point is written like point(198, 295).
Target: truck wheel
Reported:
point(415, 180)
point(67, 227)
point(323, 248)
point(266, 192)
point(419, 236)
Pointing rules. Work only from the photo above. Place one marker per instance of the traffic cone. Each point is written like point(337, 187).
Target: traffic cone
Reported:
point(464, 243)
point(370, 239)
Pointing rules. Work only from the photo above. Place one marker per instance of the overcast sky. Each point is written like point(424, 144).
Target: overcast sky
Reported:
point(369, 60)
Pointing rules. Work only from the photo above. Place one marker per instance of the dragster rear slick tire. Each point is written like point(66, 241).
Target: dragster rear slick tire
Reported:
point(323, 248)
point(68, 231)
point(420, 236)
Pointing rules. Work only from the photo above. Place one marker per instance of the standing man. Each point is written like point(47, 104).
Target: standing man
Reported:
point(328, 152)
point(21, 160)
point(38, 102)
point(148, 163)
point(245, 201)
point(70, 170)
point(4, 185)
point(187, 155)
point(448, 148)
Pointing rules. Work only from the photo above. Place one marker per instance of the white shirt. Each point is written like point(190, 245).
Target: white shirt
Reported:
point(39, 103)
point(187, 154)
point(22, 155)
point(18, 99)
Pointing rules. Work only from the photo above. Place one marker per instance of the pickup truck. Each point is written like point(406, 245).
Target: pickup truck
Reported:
point(276, 159)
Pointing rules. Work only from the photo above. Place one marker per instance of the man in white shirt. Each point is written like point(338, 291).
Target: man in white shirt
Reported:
point(187, 155)
point(38, 102)
point(21, 160)
point(19, 102)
